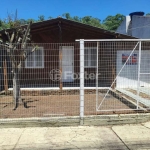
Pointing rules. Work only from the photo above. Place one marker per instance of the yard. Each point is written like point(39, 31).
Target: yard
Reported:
point(52, 104)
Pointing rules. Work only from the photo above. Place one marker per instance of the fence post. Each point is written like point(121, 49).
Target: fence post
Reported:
point(60, 67)
point(97, 77)
point(81, 81)
point(139, 68)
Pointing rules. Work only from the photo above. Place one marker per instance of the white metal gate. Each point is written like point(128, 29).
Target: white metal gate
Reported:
point(122, 74)
point(132, 76)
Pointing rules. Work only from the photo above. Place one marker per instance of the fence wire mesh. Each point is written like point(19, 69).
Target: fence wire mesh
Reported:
point(47, 86)
point(50, 79)
point(125, 67)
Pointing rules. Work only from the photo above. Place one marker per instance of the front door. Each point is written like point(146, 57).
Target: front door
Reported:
point(67, 63)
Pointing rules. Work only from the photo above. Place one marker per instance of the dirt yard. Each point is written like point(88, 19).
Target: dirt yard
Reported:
point(61, 105)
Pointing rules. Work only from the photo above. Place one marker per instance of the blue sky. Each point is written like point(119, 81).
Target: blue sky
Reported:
point(95, 8)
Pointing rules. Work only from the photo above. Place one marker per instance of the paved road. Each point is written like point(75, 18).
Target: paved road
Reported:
point(122, 137)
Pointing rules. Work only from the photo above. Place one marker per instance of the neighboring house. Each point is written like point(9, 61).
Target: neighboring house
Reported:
point(56, 38)
point(135, 25)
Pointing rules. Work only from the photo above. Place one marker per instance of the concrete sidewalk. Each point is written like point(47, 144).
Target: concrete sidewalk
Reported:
point(121, 137)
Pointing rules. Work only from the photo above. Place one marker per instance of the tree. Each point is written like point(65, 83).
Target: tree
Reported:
point(9, 21)
point(3, 25)
point(41, 18)
point(113, 22)
point(76, 18)
point(22, 21)
point(110, 23)
point(91, 21)
point(86, 20)
point(148, 14)
point(30, 20)
point(67, 16)
point(50, 17)
point(15, 41)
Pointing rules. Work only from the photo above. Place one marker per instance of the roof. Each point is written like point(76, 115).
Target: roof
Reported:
point(65, 23)
point(46, 24)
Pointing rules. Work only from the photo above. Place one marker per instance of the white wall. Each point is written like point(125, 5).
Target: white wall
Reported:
point(123, 28)
point(141, 27)
point(129, 75)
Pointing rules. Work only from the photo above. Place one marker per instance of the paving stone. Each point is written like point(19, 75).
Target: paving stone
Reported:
point(81, 137)
point(136, 137)
point(147, 124)
point(9, 137)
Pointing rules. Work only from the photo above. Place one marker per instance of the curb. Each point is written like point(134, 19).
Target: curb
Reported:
point(99, 120)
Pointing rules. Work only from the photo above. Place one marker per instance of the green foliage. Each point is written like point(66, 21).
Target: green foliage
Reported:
point(23, 21)
point(67, 16)
point(30, 20)
point(4, 25)
point(112, 22)
point(76, 18)
point(91, 21)
point(50, 17)
point(148, 14)
point(86, 20)
point(41, 18)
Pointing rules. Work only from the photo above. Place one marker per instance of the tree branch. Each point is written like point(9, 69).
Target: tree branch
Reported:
point(27, 54)
point(12, 37)
point(25, 36)
point(7, 36)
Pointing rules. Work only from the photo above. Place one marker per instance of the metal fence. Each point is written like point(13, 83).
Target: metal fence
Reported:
point(88, 77)
point(123, 65)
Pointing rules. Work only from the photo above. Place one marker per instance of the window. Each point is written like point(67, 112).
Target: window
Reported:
point(35, 59)
point(90, 57)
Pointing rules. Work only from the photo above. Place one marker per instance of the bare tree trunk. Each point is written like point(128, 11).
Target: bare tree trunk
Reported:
point(16, 90)
point(16, 87)
point(18, 54)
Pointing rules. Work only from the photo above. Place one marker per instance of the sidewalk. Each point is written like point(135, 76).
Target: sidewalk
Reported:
point(121, 137)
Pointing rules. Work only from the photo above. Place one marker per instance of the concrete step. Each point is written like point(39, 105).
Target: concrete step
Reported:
point(144, 101)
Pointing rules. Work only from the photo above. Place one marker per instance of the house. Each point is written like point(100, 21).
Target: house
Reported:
point(136, 25)
point(59, 54)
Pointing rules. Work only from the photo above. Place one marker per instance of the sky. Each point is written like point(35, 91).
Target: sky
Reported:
point(96, 8)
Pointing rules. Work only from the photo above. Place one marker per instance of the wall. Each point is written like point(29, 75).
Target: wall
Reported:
point(129, 75)
point(141, 27)
point(39, 77)
point(123, 28)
